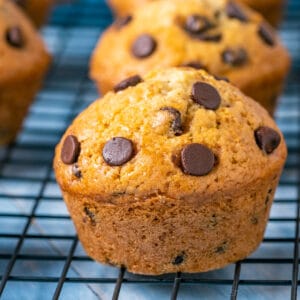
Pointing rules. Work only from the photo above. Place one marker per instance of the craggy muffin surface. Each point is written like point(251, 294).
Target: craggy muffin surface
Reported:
point(270, 9)
point(174, 171)
point(224, 38)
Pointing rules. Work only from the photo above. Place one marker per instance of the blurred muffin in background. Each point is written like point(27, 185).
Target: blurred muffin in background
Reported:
point(270, 9)
point(226, 39)
point(24, 60)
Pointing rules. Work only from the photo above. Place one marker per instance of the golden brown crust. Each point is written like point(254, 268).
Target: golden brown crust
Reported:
point(270, 9)
point(266, 65)
point(24, 69)
point(147, 212)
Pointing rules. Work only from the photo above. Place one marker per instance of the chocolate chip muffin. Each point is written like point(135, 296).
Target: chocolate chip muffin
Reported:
point(24, 60)
point(270, 9)
point(173, 171)
point(37, 10)
point(226, 39)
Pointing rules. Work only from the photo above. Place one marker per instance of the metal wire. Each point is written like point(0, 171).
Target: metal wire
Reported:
point(26, 173)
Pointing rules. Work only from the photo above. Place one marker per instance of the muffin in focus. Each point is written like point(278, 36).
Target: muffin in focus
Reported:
point(173, 171)
point(226, 39)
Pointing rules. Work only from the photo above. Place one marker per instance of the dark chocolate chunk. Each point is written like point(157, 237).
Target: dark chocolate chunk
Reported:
point(234, 56)
point(131, 81)
point(267, 139)
point(118, 151)
point(70, 150)
point(234, 11)
point(76, 171)
point(197, 160)
point(176, 123)
point(14, 37)
point(179, 259)
point(21, 3)
point(143, 46)
point(266, 33)
point(197, 24)
point(123, 21)
point(194, 64)
point(206, 95)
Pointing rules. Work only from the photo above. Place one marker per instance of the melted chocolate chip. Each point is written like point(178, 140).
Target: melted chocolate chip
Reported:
point(206, 95)
point(21, 3)
point(235, 12)
point(70, 150)
point(176, 123)
point(194, 64)
point(123, 21)
point(118, 151)
point(197, 160)
point(143, 46)
point(14, 37)
point(267, 139)
point(266, 33)
point(196, 24)
point(234, 57)
point(124, 84)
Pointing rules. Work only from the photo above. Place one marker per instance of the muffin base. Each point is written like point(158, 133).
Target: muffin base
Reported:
point(160, 235)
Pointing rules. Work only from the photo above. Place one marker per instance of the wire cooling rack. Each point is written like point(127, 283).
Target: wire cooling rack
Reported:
point(40, 256)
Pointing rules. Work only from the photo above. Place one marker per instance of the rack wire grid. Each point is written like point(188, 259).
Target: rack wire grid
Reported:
point(40, 256)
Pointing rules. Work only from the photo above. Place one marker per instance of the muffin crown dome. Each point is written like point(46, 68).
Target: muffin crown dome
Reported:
point(176, 132)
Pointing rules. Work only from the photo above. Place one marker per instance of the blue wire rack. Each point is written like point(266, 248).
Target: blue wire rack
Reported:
point(40, 256)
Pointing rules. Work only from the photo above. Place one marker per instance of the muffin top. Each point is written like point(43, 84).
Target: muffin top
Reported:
point(177, 132)
point(225, 38)
point(23, 54)
point(122, 7)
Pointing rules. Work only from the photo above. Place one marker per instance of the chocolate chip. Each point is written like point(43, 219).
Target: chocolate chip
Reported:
point(178, 260)
point(223, 78)
point(21, 3)
point(123, 21)
point(209, 37)
point(267, 139)
point(234, 56)
point(118, 151)
point(266, 33)
point(254, 220)
point(197, 24)
point(194, 64)
point(176, 123)
point(76, 171)
point(197, 159)
point(70, 150)
point(206, 95)
point(131, 81)
point(235, 12)
point(143, 46)
point(14, 37)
